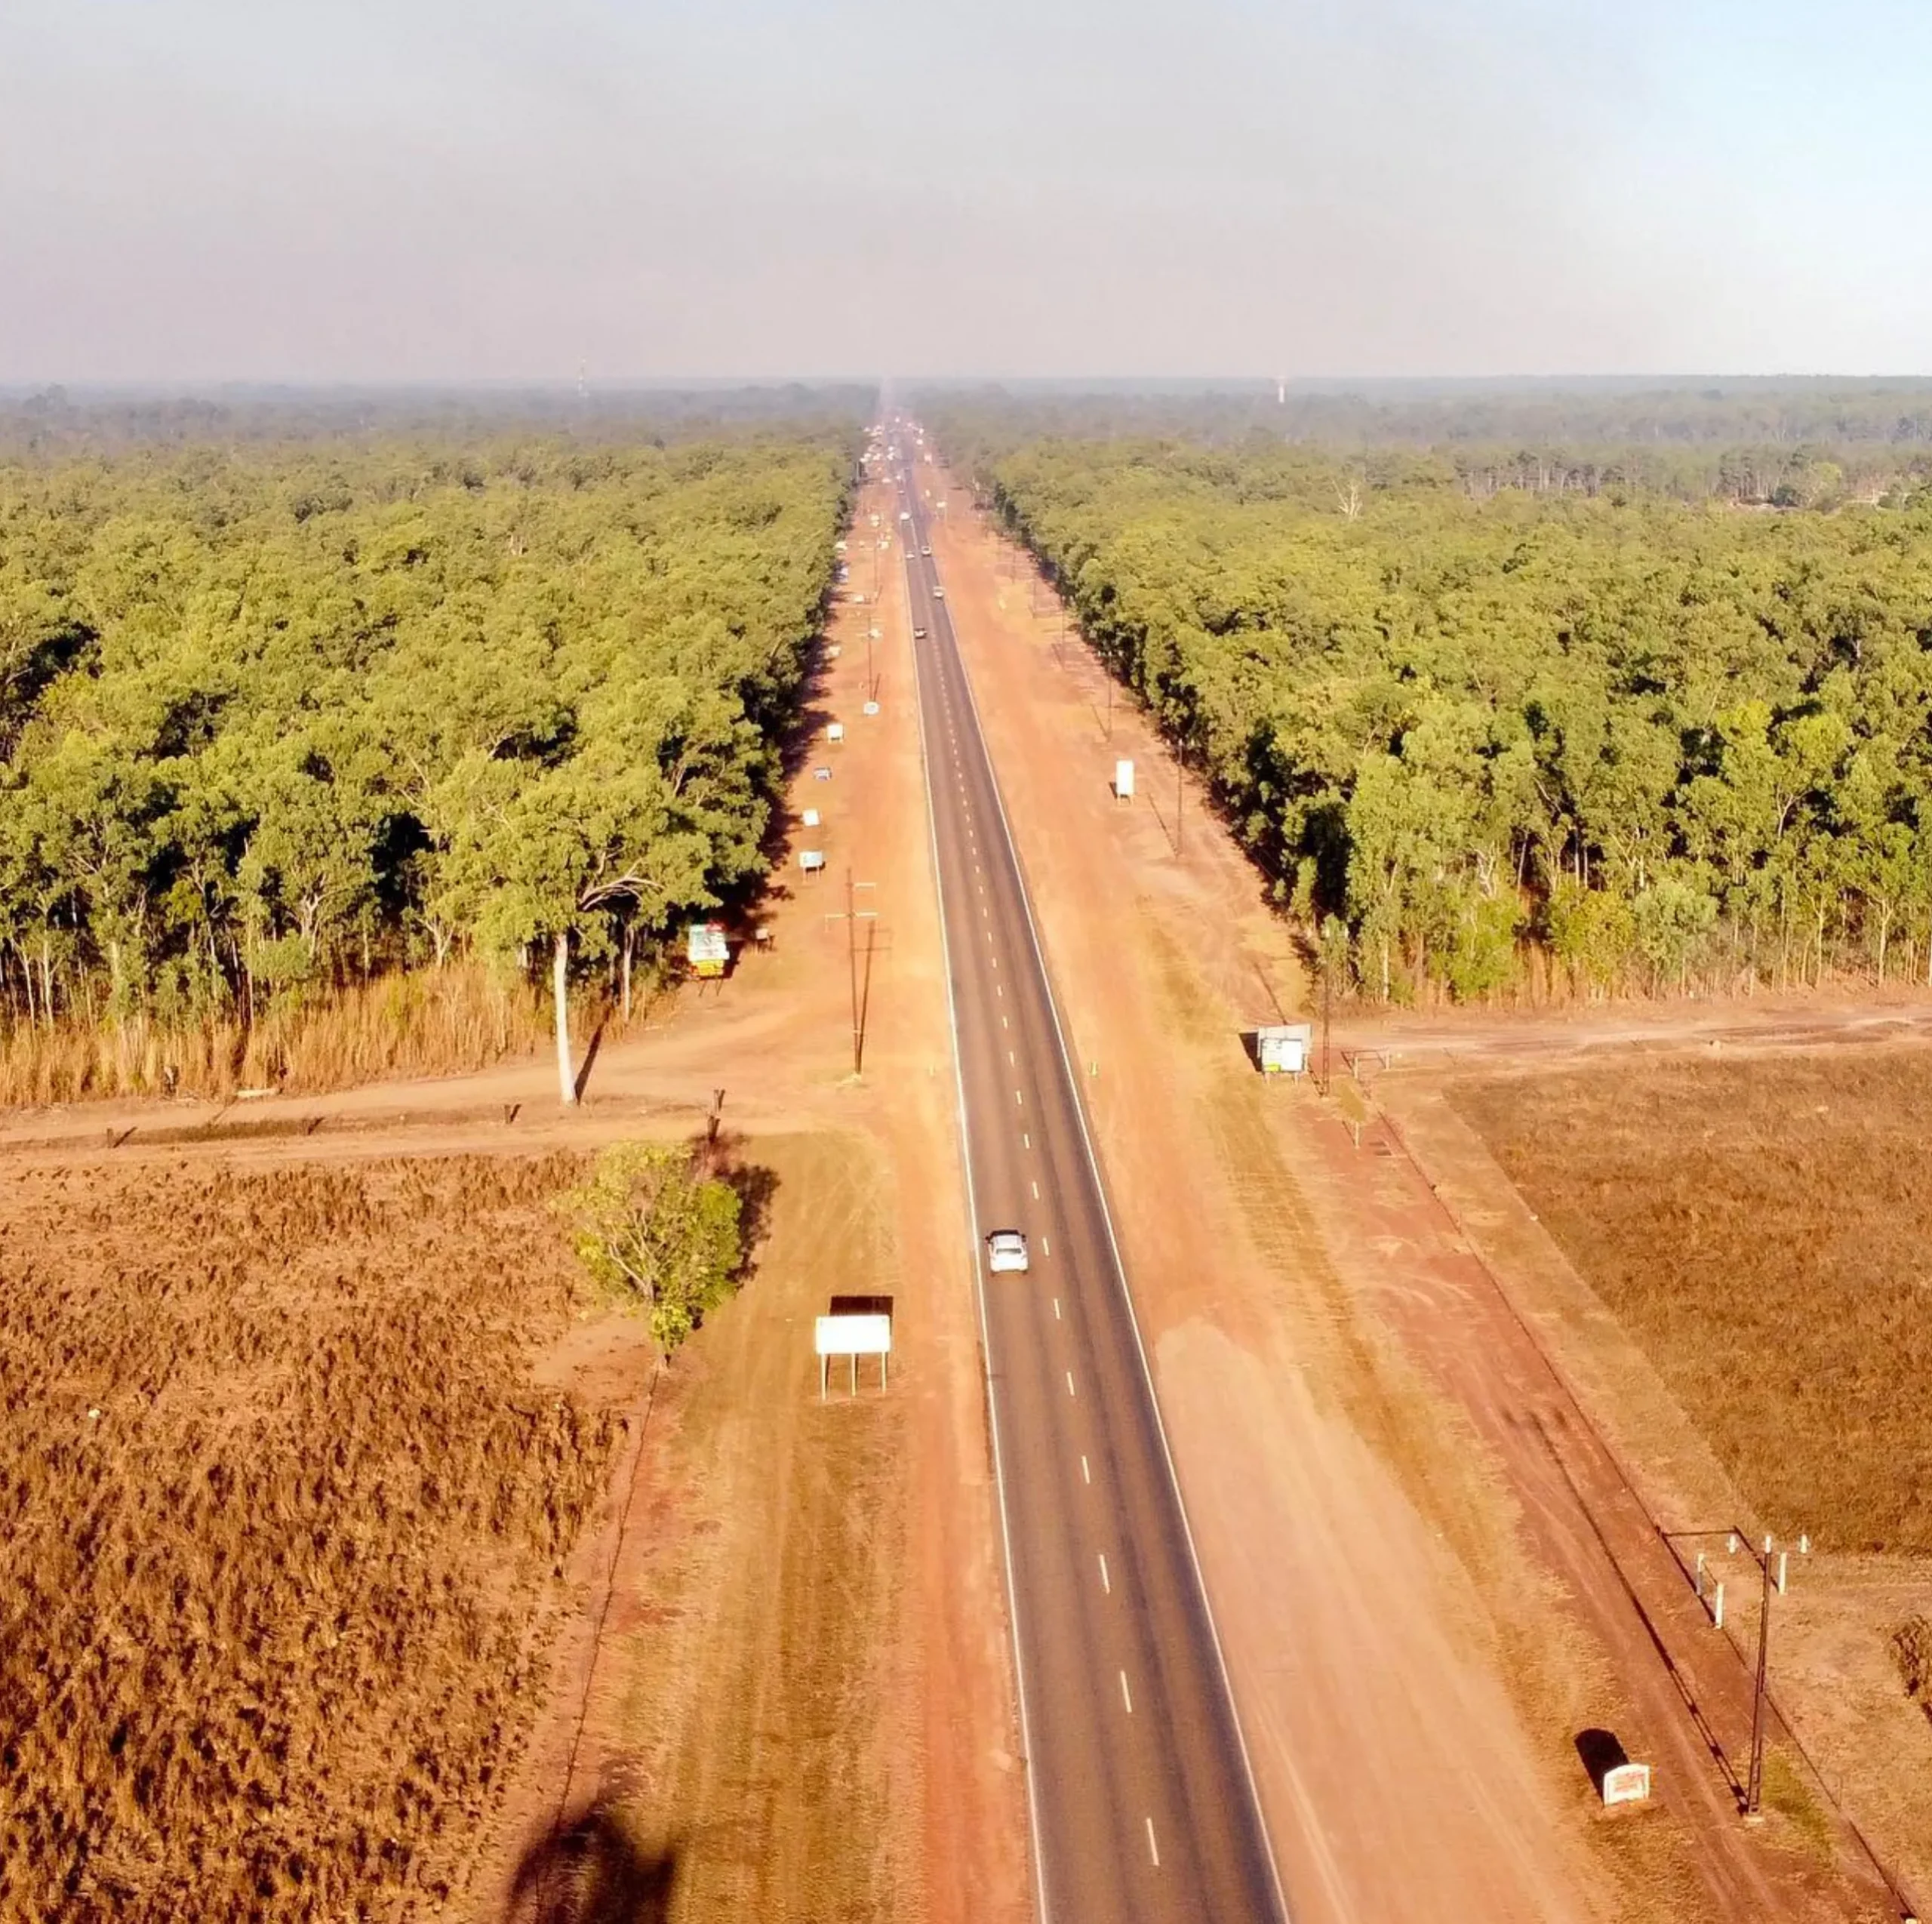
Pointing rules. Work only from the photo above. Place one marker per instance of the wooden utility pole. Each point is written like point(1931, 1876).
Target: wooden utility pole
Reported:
point(853, 915)
point(1754, 1785)
point(1327, 1012)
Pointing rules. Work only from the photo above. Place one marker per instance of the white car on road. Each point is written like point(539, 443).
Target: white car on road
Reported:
point(1006, 1249)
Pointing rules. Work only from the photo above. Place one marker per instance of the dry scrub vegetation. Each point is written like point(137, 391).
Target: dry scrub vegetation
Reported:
point(283, 1516)
point(451, 1021)
point(1764, 1229)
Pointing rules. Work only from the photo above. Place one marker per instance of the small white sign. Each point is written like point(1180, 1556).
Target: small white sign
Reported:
point(810, 818)
point(1123, 781)
point(1626, 1783)
point(853, 1336)
point(1284, 1047)
point(871, 708)
point(835, 731)
point(811, 860)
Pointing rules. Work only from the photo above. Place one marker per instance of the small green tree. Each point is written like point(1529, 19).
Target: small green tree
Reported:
point(657, 1235)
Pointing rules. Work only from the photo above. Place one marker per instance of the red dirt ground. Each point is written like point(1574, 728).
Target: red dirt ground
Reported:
point(777, 1038)
point(1417, 1613)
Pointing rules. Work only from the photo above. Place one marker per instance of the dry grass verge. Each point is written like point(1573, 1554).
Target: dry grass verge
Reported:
point(1761, 1228)
point(283, 1516)
point(428, 1022)
point(755, 1736)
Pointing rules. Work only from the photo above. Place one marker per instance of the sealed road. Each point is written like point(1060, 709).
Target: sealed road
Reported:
point(1143, 1807)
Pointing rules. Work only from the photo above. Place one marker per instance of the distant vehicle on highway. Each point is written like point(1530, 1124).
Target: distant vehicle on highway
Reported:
point(938, 593)
point(919, 634)
point(1006, 1250)
point(925, 551)
point(905, 514)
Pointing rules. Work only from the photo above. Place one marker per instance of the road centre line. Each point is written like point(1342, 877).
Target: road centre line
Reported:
point(1036, 1192)
point(1046, 1248)
point(1153, 1849)
point(1026, 1140)
point(999, 1474)
point(1140, 1349)
point(1055, 1309)
point(1126, 1695)
point(1069, 1383)
point(1106, 1582)
point(1086, 1473)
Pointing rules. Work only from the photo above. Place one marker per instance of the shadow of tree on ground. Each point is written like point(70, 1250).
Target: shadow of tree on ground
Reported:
point(593, 1870)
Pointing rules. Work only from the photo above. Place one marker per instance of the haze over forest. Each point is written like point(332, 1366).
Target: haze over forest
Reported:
point(426, 190)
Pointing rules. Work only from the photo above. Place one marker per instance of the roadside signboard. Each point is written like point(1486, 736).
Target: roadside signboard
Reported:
point(1283, 1048)
point(706, 949)
point(852, 1336)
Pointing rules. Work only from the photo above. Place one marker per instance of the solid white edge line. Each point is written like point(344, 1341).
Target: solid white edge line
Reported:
point(980, 1290)
point(1133, 1322)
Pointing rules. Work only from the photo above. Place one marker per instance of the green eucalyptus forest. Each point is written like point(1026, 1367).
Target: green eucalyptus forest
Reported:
point(284, 718)
point(1486, 734)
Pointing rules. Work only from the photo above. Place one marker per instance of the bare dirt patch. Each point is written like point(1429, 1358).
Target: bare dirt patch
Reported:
point(283, 1516)
point(744, 1733)
point(1761, 1229)
point(1741, 1308)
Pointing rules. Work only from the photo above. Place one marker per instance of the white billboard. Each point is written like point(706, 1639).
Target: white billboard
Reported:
point(853, 1336)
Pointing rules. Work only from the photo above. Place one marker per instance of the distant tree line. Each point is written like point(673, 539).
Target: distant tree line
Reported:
point(1809, 445)
point(1645, 743)
point(287, 718)
point(53, 420)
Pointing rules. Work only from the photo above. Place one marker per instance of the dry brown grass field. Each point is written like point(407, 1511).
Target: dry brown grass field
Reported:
point(426, 1022)
point(283, 1515)
point(1761, 1228)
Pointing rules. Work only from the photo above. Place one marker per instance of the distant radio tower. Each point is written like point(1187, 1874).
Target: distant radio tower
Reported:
point(1280, 391)
point(583, 384)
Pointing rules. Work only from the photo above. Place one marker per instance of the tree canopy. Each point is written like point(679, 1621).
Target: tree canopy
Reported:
point(284, 716)
point(656, 1233)
point(1648, 739)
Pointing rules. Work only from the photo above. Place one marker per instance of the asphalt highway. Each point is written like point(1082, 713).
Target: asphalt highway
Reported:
point(1142, 1803)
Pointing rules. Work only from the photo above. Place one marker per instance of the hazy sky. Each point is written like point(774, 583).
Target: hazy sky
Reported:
point(458, 189)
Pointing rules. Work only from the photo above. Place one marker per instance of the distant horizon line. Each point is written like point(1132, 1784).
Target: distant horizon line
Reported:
point(565, 385)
